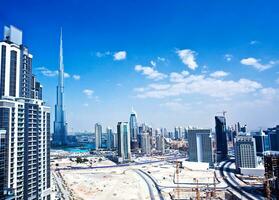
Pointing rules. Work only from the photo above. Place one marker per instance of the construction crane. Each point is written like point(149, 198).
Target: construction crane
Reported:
point(177, 180)
point(224, 112)
point(198, 196)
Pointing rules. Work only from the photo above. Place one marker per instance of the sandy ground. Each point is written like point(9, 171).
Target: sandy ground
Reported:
point(123, 183)
point(114, 184)
point(164, 174)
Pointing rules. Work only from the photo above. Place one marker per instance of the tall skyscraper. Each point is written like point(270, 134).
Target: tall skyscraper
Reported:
point(185, 133)
point(200, 145)
point(124, 148)
point(134, 130)
point(160, 143)
point(180, 132)
point(24, 124)
point(60, 125)
point(221, 138)
point(261, 140)
point(245, 152)
point(146, 143)
point(110, 138)
point(176, 133)
point(273, 134)
point(98, 136)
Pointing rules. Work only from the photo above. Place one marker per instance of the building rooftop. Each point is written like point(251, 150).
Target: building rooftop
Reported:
point(271, 153)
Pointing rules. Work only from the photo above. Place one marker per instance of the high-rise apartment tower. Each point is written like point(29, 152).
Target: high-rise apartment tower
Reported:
point(24, 124)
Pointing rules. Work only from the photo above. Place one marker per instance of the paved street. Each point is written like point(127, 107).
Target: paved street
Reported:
point(227, 170)
point(64, 192)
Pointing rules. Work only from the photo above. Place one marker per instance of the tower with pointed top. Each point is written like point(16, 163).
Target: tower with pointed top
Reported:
point(133, 130)
point(60, 126)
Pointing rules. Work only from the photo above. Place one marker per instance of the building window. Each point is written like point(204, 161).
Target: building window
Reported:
point(13, 64)
point(3, 70)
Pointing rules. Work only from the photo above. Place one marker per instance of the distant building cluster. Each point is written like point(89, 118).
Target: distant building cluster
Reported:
point(130, 138)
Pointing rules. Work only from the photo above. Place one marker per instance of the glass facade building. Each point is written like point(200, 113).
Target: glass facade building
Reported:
point(124, 148)
point(134, 130)
point(200, 145)
point(98, 136)
point(273, 134)
point(110, 138)
point(221, 138)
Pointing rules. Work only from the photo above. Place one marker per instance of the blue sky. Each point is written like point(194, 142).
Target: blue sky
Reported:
point(178, 63)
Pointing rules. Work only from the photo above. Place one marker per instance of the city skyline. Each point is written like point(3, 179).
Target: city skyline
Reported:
point(170, 61)
point(157, 100)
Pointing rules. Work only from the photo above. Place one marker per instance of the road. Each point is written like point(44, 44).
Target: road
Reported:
point(190, 185)
point(154, 191)
point(120, 165)
point(227, 170)
point(64, 192)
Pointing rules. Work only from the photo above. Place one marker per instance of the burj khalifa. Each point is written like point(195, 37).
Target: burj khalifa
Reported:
point(60, 126)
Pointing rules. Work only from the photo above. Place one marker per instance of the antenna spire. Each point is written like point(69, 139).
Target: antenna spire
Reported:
point(61, 64)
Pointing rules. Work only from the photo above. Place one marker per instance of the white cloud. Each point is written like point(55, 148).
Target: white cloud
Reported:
point(150, 73)
point(269, 93)
point(76, 77)
point(46, 72)
point(140, 89)
point(253, 62)
point(153, 63)
point(188, 58)
point(199, 84)
point(267, 96)
point(219, 74)
point(88, 92)
point(228, 57)
point(159, 86)
point(277, 80)
point(120, 55)
point(102, 54)
point(66, 75)
point(178, 77)
point(86, 104)
point(51, 73)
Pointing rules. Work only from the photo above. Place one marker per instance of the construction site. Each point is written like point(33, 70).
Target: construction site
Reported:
point(204, 184)
point(99, 178)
